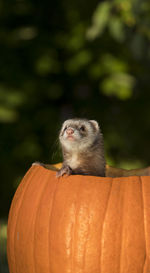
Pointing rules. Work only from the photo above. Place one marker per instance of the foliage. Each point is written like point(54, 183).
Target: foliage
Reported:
point(72, 58)
point(3, 258)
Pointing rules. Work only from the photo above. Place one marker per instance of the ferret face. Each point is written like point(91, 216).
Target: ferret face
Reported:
point(77, 134)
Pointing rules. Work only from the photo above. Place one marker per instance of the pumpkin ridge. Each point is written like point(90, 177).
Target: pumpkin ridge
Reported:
point(104, 218)
point(71, 243)
point(28, 187)
point(27, 181)
point(145, 216)
point(133, 217)
point(122, 231)
point(88, 232)
point(145, 260)
point(50, 221)
point(36, 215)
point(73, 240)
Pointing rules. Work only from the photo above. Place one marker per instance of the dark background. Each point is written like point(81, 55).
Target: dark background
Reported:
point(71, 58)
point(62, 59)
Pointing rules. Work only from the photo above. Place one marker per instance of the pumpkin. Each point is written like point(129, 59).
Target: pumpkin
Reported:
point(79, 224)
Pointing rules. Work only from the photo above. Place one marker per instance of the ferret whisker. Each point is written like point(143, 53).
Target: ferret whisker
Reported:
point(55, 149)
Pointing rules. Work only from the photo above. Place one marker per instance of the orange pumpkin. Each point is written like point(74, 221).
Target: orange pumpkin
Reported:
point(79, 224)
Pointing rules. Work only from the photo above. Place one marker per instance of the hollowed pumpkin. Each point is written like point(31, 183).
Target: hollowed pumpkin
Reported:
point(79, 224)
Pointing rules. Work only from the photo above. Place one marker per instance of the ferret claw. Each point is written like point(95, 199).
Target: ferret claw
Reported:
point(36, 163)
point(64, 170)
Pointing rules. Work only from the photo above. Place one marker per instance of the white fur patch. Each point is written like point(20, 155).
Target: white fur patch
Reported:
point(74, 161)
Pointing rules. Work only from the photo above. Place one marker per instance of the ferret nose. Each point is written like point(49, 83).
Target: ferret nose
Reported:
point(69, 131)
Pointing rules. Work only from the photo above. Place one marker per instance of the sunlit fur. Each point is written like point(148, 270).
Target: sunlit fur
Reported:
point(85, 152)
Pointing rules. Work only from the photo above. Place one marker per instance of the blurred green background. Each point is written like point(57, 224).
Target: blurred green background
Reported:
point(71, 58)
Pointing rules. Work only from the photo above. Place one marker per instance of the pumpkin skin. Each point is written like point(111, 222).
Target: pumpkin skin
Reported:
point(79, 224)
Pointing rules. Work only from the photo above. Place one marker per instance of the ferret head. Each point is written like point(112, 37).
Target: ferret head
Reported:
point(78, 134)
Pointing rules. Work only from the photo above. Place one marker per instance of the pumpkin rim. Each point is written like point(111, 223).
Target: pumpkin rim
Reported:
point(55, 167)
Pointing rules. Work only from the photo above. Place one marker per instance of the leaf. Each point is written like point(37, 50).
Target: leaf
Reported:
point(116, 29)
point(100, 20)
point(78, 61)
point(7, 115)
point(119, 85)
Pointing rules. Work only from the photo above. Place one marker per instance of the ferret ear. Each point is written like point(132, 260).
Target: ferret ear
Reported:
point(95, 123)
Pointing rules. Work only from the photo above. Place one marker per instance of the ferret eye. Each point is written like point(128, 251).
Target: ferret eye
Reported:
point(63, 130)
point(82, 128)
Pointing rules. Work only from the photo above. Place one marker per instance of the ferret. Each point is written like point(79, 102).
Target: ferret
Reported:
point(82, 147)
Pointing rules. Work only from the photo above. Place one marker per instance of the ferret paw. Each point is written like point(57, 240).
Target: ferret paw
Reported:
point(37, 164)
point(64, 170)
